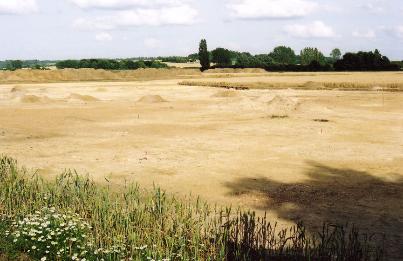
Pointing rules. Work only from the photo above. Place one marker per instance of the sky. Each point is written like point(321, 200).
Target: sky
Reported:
point(75, 29)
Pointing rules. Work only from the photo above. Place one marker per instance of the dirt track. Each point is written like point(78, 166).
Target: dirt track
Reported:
point(311, 155)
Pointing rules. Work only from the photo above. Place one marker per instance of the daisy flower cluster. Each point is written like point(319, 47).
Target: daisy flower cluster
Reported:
point(50, 235)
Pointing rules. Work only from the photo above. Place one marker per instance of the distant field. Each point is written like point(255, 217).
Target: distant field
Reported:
point(385, 81)
point(74, 75)
point(184, 65)
point(77, 75)
point(222, 78)
point(300, 153)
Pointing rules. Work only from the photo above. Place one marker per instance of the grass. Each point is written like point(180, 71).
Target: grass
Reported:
point(279, 116)
point(310, 85)
point(93, 222)
point(321, 120)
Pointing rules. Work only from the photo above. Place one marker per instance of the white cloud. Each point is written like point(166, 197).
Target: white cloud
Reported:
point(122, 4)
point(178, 15)
point(152, 43)
point(18, 6)
point(97, 23)
point(317, 29)
point(399, 31)
point(370, 34)
point(103, 37)
point(376, 7)
point(266, 9)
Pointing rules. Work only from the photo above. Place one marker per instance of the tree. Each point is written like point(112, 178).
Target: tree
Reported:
point(283, 55)
point(244, 60)
point(309, 54)
point(365, 61)
point(222, 57)
point(193, 57)
point(204, 56)
point(264, 60)
point(335, 54)
point(67, 64)
point(14, 65)
point(139, 65)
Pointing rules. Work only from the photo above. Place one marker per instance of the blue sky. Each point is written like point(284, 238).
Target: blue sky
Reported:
point(60, 29)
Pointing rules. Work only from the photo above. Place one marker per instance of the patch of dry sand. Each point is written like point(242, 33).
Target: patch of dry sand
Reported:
point(228, 151)
point(226, 94)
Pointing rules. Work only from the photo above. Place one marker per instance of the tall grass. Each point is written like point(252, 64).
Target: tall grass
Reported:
point(344, 86)
point(140, 225)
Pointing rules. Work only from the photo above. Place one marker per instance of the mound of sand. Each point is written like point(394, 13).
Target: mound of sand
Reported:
point(225, 94)
point(313, 85)
point(35, 99)
point(101, 89)
point(280, 105)
point(16, 88)
point(84, 98)
point(151, 99)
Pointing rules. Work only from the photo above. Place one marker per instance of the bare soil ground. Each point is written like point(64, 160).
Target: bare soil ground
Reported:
point(311, 155)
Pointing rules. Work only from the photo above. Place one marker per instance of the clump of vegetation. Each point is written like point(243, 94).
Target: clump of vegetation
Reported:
point(110, 64)
point(321, 120)
point(279, 116)
point(365, 61)
point(49, 235)
point(175, 59)
point(84, 221)
point(204, 55)
point(345, 86)
point(283, 55)
point(309, 55)
point(12, 65)
point(310, 59)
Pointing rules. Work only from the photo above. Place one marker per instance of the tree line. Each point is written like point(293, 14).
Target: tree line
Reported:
point(13, 65)
point(110, 64)
point(283, 58)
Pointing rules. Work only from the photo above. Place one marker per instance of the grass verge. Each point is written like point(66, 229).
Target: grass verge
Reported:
point(75, 219)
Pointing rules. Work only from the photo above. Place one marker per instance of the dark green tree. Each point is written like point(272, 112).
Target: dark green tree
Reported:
point(264, 60)
point(193, 57)
point(309, 54)
point(365, 61)
point(67, 64)
point(139, 65)
point(222, 57)
point(335, 54)
point(204, 56)
point(245, 60)
point(14, 65)
point(283, 55)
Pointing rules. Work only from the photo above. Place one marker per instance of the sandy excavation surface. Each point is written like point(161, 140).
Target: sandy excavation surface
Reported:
point(311, 155)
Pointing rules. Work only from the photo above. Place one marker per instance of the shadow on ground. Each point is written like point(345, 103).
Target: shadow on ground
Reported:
point(335, 195)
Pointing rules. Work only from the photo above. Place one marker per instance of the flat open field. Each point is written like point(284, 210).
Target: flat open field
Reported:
point(311, 155)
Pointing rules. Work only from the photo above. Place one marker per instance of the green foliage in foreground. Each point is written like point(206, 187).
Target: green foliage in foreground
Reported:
point(84, 221)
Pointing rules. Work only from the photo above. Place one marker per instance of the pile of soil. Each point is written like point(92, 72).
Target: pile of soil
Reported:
point(151, 99)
